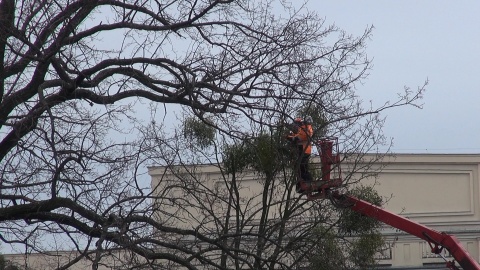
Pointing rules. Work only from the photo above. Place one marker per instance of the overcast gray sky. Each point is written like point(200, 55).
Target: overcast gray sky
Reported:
point(413, 41)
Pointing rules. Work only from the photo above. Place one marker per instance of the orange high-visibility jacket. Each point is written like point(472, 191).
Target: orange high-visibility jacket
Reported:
point(304, 135)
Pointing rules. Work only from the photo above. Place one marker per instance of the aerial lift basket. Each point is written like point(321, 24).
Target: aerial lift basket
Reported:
point(330, 170)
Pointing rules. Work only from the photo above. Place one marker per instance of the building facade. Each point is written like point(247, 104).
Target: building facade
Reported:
point(441, 191)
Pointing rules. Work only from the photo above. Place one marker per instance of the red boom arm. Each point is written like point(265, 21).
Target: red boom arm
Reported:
point(330, 163)
point(437, 240)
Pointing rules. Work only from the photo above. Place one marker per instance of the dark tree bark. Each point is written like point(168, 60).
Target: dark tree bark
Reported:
point(81, 85)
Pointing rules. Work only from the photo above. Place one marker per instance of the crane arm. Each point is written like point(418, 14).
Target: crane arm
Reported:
point(437, 240)
point(328, 148)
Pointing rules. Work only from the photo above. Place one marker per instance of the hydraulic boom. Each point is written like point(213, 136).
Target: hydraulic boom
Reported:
point(331, 178)
point(437, 240)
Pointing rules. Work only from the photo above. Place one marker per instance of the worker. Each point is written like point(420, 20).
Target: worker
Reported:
point(301, 133)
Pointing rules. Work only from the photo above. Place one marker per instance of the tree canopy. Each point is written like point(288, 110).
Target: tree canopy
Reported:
point(90, 90)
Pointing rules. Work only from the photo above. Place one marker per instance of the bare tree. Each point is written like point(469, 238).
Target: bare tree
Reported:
point(77, 79)
point(246, 197)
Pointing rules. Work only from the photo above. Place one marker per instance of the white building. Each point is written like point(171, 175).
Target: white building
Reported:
point(441, 191)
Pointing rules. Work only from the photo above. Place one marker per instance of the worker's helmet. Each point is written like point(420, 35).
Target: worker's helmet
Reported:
point(298, 120)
